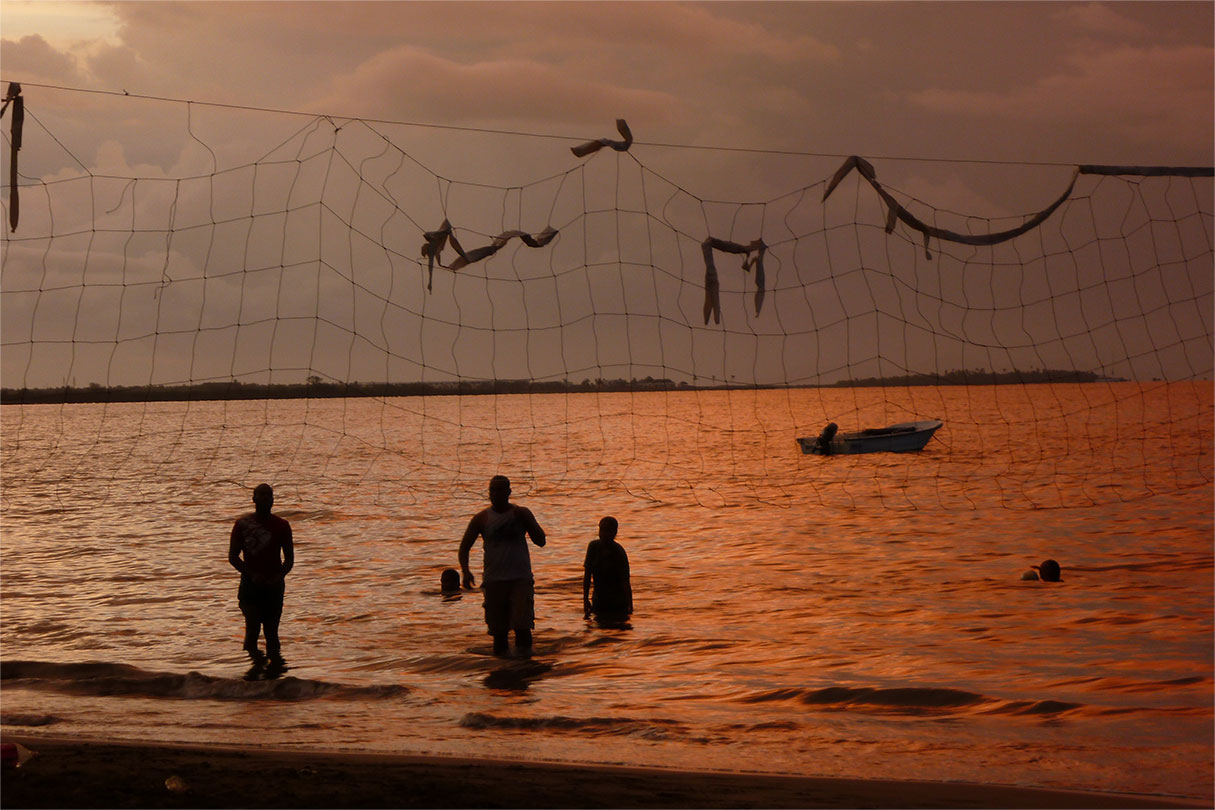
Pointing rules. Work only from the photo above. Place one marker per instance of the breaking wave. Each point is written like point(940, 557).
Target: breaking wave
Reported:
point(101, 679)
point(910, 700)
point(649, 728)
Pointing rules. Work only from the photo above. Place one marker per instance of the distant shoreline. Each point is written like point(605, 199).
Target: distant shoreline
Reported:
point(235, 390)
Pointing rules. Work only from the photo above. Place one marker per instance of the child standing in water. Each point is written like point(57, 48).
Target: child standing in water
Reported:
point(606, 568)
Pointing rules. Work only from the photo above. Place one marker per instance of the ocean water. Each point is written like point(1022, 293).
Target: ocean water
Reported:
point(849, 616)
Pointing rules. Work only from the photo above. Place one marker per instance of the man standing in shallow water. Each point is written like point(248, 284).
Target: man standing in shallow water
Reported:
point(254, 549)
point(507, 583)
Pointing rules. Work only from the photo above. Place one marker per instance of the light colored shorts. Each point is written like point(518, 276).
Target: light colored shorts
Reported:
point(509, 605)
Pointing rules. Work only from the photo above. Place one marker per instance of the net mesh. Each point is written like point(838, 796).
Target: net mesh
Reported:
point(335, 310)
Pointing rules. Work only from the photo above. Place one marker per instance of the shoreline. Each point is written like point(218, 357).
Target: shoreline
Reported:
point(76, 772)
point(321, 389)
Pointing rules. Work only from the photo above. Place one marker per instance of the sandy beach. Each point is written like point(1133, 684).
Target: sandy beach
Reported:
point(80, 773)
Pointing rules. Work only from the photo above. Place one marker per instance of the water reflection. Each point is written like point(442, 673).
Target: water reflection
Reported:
point(517, 675)
point(265, 669)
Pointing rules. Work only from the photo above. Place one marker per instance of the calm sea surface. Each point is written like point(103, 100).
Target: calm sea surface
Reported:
point(855, 616)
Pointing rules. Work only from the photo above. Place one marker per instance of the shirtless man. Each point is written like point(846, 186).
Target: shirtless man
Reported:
point(254, 549)
point(507, 583)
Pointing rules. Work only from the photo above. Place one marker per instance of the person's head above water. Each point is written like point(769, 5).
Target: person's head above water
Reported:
point(1050, 571)
point(608, 528)
point(449, 580)
point(499, 491)
point(263, 497)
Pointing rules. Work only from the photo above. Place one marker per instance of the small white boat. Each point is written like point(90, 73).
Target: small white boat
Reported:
point(904, 437)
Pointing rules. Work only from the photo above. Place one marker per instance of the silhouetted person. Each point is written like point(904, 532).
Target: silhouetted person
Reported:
point(261, 549)
point(1048, 571)
point(607, 568)
point(449, 581)
point(506, 583)
point(823, 442)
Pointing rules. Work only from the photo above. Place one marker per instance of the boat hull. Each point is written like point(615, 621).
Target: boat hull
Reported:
point(905, 437)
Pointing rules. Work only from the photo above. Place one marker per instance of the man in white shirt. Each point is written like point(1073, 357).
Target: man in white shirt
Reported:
point(506, 581)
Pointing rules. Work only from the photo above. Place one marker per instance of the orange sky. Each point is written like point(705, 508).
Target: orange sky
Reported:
point(1066, 82)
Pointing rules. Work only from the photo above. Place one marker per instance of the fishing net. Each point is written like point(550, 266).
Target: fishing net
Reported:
point(203, 294)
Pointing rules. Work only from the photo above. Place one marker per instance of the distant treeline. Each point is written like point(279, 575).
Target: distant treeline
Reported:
point(978, 376)
point(317, 389)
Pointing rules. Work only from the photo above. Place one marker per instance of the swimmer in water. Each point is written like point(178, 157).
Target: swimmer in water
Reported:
point(1048, 571)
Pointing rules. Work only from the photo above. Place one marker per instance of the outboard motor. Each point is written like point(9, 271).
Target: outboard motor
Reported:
point(823, 442)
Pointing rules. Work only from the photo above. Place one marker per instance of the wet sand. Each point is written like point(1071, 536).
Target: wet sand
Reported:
point(80, 773)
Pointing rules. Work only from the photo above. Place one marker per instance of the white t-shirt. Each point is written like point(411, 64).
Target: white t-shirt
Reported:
point(506, 553)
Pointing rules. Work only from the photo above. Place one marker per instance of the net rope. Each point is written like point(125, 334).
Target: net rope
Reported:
point(332, 311)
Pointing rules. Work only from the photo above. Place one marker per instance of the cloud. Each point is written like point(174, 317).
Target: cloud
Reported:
point(697, 31)
point(550, 31)
point(219, 46)
point(115, 66)
point(414, 84)
point(1099, 18)
point(33, 58)
point(1164, 95)
point(951, 194)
